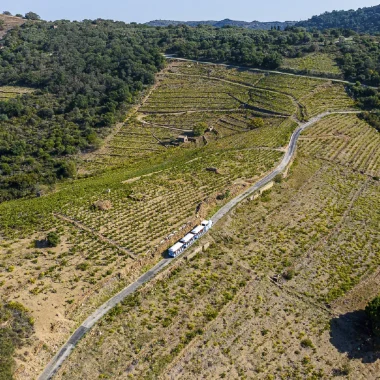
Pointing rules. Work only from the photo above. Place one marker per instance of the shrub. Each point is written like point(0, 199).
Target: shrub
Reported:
point(199, 129)
point(82, 266)
point(278, 178)
point(307, 343)
point(255, 123)
point(289, 274)
point(52, 239)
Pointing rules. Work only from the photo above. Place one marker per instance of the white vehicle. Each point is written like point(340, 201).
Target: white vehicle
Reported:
point(190, 238)
point(207, 224)
point(176, 249)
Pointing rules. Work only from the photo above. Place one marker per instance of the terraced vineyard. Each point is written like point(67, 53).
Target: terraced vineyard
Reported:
point(156, 187)
point(167, 201)
point(302, 245)
point(328, 97)
point(297, 87)
point(347, 140)
point(316, 63)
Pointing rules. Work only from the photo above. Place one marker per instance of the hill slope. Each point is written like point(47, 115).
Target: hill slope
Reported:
point(9, 22)
point(365, 20)
point(227, 22)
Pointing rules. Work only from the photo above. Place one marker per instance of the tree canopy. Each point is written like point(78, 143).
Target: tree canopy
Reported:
point(363, 20)
point(373, 312)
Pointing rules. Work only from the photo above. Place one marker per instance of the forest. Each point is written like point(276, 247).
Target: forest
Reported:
point(363, 20)
point(82, 77)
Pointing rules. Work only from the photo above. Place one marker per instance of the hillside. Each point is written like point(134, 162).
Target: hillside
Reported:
point(257, 25)
point(118, 152)
point(362, 20)
point(9, 22)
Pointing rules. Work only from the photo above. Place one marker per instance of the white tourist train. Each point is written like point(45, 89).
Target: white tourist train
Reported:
point(190, 238)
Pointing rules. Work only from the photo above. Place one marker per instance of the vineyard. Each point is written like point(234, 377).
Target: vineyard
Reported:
point(316, 63)
point(301, 246)
point(153, 180)
point(346, 140)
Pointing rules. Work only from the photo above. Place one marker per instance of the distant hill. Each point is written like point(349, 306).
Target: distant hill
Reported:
point(364, 20)
point(227, 22)
point(9, 23)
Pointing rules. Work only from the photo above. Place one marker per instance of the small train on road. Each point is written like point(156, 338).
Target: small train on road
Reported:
point(190, 238)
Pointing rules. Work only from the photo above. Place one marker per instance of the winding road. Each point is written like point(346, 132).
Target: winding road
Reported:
point(67, 348)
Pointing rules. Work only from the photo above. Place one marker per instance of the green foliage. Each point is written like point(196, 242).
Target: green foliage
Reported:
point(32, 16)
point(83, 266)
point(92, 72)
point(307, 343)
point(199, 129)
point(289, 274)
point(372, 119)
point(16, 326)
point(52, 239)
point(278, 178)
point(373, 312)
point(364, 20)
point(257, 122)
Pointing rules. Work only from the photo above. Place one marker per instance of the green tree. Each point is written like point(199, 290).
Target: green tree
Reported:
point(32, 16)
point(200, 128)
point(373, 312)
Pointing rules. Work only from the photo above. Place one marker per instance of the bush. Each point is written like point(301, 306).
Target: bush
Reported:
point(289, 274)
point(52, 239)
point(17, 326)
point(373, 312)
point(82, 266)
point(255, 123)
point(199, 129)
point(307, 343)
point(278, 178)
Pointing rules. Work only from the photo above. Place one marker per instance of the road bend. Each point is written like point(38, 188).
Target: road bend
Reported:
point(64, 352)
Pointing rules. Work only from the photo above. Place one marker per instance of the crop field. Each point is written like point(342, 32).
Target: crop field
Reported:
point(347, 140)
point(303, 245)
point(8, 92)
point(291, 85)
point(244, 77)
point(192, 93)
point(329, 97)
point(314, 63)
point(166, 201)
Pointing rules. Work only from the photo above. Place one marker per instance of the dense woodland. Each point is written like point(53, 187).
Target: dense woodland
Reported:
point(363, 20)
point(86, 74)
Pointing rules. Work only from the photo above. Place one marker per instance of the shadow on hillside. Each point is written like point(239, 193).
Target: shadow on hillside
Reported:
point(41, 244)
point(350, 334)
